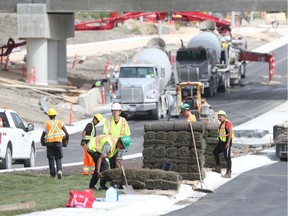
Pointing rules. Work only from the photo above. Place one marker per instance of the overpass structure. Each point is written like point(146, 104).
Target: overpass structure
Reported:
point(46, 24)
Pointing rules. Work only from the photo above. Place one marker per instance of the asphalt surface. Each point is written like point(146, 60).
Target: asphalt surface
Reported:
point(262, 191)
point(241, 103)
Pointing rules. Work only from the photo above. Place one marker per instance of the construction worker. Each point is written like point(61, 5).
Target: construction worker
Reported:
point(101, 147)
point(88, 133)
point(225, 136)
point(52, 137)
point(185, 110)
point(116, 126)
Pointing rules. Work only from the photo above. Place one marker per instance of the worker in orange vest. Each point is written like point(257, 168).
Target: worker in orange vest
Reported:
point(52, 137)
point(185, 110)
point(88, 133)
point(116, 126)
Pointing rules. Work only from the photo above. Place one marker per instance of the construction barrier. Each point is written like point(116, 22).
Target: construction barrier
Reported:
point(272, 66)
point(24, 72)
point(32, 76)
point(172, 59)
point(70, 114)
point(106, 67)
point(103, 95)
point(111, 88)
point(74, 61)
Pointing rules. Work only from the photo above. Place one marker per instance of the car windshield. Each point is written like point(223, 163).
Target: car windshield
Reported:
point(136, 72)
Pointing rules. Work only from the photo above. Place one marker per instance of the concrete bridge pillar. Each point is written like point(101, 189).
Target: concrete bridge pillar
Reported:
point(46, 36)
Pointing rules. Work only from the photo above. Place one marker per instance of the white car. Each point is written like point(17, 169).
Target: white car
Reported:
point(17, 145)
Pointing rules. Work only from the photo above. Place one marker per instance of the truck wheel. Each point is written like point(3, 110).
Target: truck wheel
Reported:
point(208, 92)
point(31, 161)
point(227, 83)
point(7, 161)
point(243, 71)
point(156, 113)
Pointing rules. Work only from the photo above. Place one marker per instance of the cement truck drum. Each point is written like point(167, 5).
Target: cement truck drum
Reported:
point(155, 56)
point(206, 40)
point(157, 43)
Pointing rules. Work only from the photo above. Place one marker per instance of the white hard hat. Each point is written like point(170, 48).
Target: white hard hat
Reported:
point(116, 106)
point(221, 112)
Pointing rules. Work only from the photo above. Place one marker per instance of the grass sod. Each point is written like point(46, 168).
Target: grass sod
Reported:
point(46, 192)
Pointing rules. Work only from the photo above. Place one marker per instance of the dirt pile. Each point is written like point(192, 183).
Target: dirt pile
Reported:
point(27, 101)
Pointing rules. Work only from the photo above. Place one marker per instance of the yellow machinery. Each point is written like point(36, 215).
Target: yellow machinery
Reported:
point(191, 93)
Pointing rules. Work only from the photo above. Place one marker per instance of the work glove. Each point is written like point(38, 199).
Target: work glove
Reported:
point(82, 143)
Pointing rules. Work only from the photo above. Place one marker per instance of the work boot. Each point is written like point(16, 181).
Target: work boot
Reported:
point(227, 175)
point(59, 174)
point(103, 188)
point(217, 169)
point(85, 173)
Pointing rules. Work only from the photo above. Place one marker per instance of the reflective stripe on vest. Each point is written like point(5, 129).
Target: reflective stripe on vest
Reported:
point(222, 131)
point(96, 144)
point(113, 131)
point(54, 131)
point(191, 118)
point(87, 137)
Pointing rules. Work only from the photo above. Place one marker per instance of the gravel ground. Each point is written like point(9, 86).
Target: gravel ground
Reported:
point(26, 101)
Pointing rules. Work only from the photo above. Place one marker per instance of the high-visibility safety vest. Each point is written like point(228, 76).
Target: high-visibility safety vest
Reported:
point(89, 137)
point(116, 132)
point(96, 144)
point(222, 131)
point(54, 131)
point(191, 118)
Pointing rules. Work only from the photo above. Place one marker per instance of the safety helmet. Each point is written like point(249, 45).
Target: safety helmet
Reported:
point(99, 117)
point(126, 141)
point(116, 106)
point(221, 112)
point(184, 106)
point(51, 112)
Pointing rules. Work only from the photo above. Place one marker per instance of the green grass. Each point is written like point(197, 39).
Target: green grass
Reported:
point(46, 192)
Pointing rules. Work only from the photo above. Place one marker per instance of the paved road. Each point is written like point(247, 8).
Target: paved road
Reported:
point(262, 191)
point(240, 103)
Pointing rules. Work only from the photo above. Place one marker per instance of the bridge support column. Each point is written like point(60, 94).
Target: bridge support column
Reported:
point(46, 36)
point(62, 61)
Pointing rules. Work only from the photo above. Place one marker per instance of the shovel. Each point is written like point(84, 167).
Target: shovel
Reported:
point(198, 166)
point(127, 188)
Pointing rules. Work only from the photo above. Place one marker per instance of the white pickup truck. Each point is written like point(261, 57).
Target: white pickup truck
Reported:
point(17, 145)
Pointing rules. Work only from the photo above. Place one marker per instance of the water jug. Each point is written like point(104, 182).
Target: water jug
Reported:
point(111, 194)
point(117, 192)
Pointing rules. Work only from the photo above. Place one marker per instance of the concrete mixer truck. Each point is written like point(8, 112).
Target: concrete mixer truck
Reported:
point(204, 60)
point(145, 85)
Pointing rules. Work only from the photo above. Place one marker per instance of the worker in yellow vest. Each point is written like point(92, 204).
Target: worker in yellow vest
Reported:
point(101, 147)
point(185, 110)
point(52, 137)
point(88, 133)
point(225, 136)
point(116, 126)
